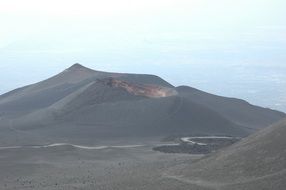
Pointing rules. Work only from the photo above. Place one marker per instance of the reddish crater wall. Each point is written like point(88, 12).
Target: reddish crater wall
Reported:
point(151, 91)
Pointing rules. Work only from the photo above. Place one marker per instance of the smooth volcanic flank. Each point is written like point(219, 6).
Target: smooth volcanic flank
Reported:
point(257, 162)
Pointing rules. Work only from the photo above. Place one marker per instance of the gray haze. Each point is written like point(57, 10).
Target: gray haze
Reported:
point(211, 45)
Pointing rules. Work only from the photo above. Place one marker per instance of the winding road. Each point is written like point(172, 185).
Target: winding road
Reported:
point(72, 145)
point(184, 139)
point(191, 140)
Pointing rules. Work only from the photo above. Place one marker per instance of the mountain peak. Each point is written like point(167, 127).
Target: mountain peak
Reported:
point(77, 66)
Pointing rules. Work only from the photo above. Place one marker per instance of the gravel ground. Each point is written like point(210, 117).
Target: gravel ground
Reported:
point(70, 168)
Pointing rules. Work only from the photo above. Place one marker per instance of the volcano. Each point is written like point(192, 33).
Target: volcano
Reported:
point(81, 104)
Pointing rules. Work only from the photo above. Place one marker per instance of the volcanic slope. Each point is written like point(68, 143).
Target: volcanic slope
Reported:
point(47, 92)
point(105, 108)
point(236, 110)
point(257, 162)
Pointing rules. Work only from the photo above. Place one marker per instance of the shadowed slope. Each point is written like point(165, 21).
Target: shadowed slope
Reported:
point(257, 162)
point(236, 110)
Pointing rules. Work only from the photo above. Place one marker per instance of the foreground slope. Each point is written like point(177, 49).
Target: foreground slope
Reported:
point(257, 162)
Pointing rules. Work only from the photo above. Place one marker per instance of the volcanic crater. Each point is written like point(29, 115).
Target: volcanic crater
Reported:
point(150, 91)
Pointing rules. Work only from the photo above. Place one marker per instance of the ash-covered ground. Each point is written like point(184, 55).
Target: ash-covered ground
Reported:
point(71, 168)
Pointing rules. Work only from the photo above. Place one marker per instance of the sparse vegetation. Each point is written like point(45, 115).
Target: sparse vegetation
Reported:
point(210, 145)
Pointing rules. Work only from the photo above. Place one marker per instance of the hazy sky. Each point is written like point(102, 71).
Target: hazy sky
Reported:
point(229, 47)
